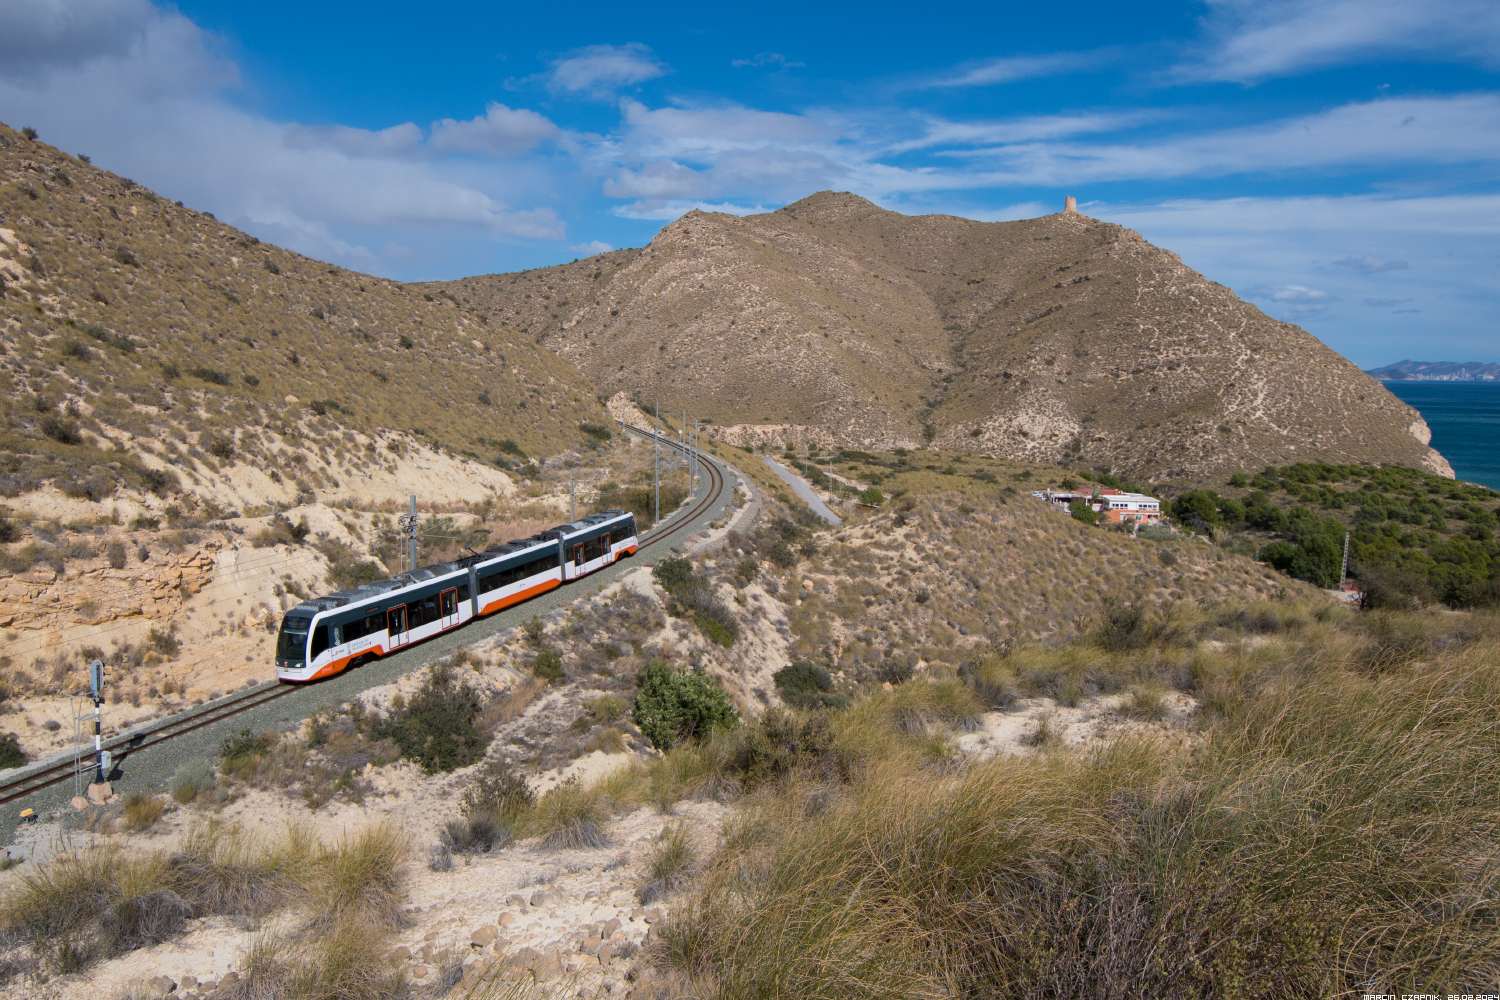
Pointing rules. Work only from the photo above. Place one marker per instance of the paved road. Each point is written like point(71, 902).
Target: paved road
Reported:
point(802, 489)
point(152, 768)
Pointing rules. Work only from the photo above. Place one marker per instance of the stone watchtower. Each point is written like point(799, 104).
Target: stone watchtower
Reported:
point(1070, 206)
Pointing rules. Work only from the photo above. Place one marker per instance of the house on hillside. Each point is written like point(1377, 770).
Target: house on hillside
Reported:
point(1113, 506)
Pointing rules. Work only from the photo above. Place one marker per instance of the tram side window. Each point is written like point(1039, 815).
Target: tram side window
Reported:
point(320, 640)
point(493, 582)
point(463, 591)
point(425, 612)
point(361, 627)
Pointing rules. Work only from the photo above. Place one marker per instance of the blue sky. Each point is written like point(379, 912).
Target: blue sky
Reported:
point(1332, 162)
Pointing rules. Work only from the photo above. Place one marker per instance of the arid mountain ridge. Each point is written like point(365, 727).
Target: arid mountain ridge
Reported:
point(1059, 339)
point(143, 344)
point(129, 321)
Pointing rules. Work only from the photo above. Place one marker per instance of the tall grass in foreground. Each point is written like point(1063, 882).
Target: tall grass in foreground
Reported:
point(1334, 835)
point(98, 903)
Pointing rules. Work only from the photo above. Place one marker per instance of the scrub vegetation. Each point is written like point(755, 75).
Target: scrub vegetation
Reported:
point(1316, 839)
point(1415, 539)
point(93, 904)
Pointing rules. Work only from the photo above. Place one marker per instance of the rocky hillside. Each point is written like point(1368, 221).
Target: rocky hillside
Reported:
point(1059, 339)
point(146, 345)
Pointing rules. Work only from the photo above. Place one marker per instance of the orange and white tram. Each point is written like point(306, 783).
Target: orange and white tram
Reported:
point(325, 635)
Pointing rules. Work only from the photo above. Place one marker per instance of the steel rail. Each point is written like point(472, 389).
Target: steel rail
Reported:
point(56, 770)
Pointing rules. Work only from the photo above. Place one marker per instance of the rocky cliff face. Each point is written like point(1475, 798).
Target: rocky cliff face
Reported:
point(1059, 339)
point(93, 593)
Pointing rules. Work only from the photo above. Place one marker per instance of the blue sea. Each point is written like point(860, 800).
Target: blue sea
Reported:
point(1465, 422)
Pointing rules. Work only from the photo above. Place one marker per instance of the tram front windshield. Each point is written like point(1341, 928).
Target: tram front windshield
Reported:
point(292, 643)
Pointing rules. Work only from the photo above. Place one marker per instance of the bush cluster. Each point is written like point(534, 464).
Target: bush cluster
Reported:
point(437, 728)
point(805, 684)
point(1401, 546)
point(674, 706)
point(694, 597)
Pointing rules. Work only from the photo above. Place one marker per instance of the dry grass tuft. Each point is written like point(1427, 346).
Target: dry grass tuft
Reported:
point(142, 810)
point(1320, 841)
point(97, 903)
point(358, 882)
point(570, 816)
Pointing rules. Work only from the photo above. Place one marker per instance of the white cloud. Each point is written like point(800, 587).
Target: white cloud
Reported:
point(659, 179)
point(703, 131)
point(396, 141)
point(591, 248)
point(766, 59)
point(1012, 68)
point(943, 132)
point(605, 68)
point(1298, 302)
point(499, 132)
point(666, 211)
point(1295, 294)
point(1439, 130)
point(1371, 265)
point(1385, 303)
point(1257, 39)
point(41, 37)
point(150, 105)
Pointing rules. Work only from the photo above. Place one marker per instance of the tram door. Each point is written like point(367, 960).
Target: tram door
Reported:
point(577, 559)
point(397, 626)
point(448, 607)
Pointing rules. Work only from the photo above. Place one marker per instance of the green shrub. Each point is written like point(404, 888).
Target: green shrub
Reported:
point(548, 665)
point(437, 727)
point(1122, 626)
point(211, 375)
point(498, 791)
point(872, 496)
point(1081, 511)
point(781, 742)
point(534, 630)
point(672, 707)
point(806, 685)
point(191, 780)
point(781, 555)
point(245, 743)
point(11, 754)
point(164, 641)
point(697, 598)
point(59, 429)
point(673, 573)
point(220, 447)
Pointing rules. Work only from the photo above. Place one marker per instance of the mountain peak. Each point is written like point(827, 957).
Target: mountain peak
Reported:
point(834, 205)
point(1062, 339)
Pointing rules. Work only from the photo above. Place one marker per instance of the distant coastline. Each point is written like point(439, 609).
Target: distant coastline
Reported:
point(1437, 371)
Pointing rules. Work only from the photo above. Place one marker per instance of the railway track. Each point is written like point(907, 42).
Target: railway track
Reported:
point(56, 770)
